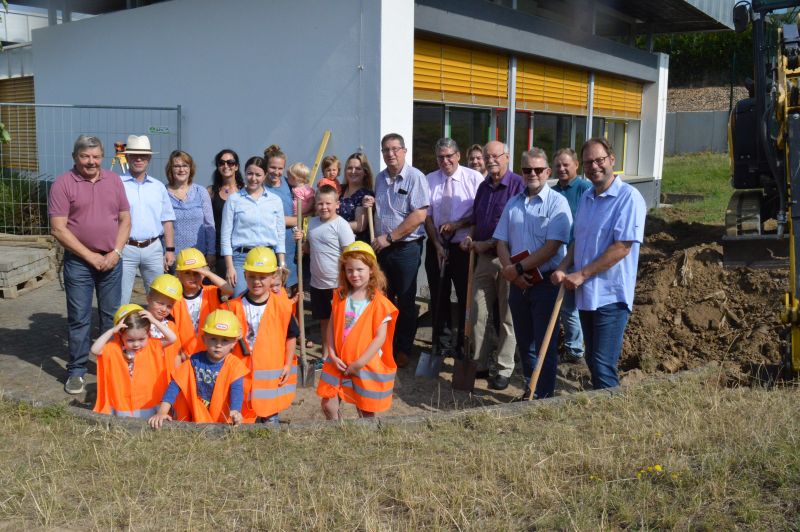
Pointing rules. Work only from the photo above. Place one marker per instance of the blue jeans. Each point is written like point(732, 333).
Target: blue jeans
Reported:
point(531, 311)
point(238, 264)
point(148, 261)
point(602, 331)
point(571, 321)
point(81, 281)
point(400, 262)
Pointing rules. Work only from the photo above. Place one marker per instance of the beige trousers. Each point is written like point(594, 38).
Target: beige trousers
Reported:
point(490, 286)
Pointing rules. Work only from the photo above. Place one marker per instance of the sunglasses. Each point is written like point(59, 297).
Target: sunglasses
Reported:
point(528, 171)
point(228, 162)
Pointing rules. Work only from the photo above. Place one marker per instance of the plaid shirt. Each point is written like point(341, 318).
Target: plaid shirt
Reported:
point(396, 198)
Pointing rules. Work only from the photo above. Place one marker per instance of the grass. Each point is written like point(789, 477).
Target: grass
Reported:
point(707, 174)
point(581, 465)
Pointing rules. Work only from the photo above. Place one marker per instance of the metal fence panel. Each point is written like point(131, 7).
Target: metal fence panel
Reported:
point(42, 136)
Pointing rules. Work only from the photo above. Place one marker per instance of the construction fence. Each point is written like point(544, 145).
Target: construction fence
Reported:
point(40, 148)
point(695, 132)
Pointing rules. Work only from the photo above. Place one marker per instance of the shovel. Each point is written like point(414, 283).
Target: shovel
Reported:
point(545, 342)
point(371, 225)
point(465, 367)
point(430, 363)
point(306, 370)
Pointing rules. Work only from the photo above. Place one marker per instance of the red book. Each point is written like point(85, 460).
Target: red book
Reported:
point(533, 276)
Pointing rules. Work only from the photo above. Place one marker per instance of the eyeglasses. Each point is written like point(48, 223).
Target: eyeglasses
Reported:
point(489, 156)
point(599, 161)
point(528, 171)
point(180, 167)
point(391, 150)
point(228, 162)
point(447, 156)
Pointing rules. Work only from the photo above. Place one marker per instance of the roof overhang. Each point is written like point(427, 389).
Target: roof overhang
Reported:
point(671, 16)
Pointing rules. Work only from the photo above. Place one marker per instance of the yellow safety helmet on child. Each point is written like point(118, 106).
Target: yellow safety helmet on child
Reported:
point(222, 323)
point(169, 285)
point(359, 246)
point(124, 310)
point(190, 259)
point(261, 259)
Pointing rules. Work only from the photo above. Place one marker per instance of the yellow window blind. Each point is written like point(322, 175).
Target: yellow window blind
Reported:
point(550, 87)
point(21, 152)
point(456, 74)
point(617, 97)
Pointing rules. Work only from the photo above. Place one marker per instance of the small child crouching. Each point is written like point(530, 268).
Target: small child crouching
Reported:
point(132, 372)
point(198, 300)
point(359, 366)
point(270, 333)
point(194, 393)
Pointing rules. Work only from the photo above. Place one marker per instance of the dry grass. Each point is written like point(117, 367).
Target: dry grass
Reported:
point(727, 458)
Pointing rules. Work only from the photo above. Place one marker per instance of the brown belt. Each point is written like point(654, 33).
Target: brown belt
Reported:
point(141, 243)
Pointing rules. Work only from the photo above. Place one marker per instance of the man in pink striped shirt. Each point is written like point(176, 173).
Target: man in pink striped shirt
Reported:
point(453, 188)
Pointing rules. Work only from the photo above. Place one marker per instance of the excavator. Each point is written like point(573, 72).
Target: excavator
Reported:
point(763, 216)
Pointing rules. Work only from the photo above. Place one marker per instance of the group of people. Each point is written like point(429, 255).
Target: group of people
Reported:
point(526, 238)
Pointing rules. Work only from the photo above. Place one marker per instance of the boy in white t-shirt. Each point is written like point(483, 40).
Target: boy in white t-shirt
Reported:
point(328, 235)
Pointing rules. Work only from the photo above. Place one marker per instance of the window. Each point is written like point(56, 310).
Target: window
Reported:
point(469, 126)
point(551, 132)
point(428, 128)
point(615, 133)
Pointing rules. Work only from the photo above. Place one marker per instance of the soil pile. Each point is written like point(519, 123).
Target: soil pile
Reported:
point(689, 310)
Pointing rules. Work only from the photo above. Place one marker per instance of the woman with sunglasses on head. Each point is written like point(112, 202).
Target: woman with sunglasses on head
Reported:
point(227, 180)
point(194, 218)
point(357, 194)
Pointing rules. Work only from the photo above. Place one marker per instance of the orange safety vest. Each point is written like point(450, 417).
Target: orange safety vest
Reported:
point(190, 407)
point(190, 339)
point(172, 351)
point(371, 389)
point(123, 395)
point(263, 396)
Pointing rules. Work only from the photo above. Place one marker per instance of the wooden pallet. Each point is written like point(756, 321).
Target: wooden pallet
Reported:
point(13, 292)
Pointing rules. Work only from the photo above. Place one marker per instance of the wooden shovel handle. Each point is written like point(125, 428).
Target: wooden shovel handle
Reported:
point(470, 287)
point(300, 311)
point(371, 225)
point(546, 342)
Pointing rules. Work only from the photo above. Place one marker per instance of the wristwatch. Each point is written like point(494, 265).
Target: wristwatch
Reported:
point(519, 268)
point(389, 237)
point(168, 249)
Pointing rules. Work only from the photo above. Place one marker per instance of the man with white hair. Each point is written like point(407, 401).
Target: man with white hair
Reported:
point(152, 218)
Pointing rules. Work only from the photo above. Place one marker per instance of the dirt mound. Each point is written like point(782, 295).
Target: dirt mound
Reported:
point(690, 311)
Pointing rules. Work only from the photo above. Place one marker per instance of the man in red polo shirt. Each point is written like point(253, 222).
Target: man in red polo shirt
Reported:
point(90, 217)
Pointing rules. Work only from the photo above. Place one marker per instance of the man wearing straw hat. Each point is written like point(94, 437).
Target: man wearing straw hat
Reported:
point(534, 229)
point(151, 219)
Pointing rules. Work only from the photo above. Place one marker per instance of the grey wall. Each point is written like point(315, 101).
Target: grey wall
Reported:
point(247, 73)
point(693, 132)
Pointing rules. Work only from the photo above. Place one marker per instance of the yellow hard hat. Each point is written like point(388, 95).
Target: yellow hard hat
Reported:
point(169, 285)
point(189, 259)
point(360, 246)
point(222, 323)
point(260, 259)
point(124, 310)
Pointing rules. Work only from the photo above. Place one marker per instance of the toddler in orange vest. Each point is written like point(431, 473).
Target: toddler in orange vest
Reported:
point(165, 291)
point(359, 367)
point(270, 334)
point(132, 371)
point(198, 300)
point(209, 386)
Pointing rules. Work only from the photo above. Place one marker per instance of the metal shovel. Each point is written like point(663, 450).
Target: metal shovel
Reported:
point(307, 373)
point(465, 367)
point(430, 363)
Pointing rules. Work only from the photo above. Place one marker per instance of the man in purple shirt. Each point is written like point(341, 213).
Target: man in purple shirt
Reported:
point(90, 217)
point(491, 289)
point(453, 188)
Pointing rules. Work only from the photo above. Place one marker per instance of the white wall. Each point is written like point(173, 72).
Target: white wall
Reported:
point(654, 119)
point(397, 74)
point(247, 73)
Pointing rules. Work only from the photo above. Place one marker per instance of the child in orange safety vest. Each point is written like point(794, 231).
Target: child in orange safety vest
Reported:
point(165, 291)
point(209, 386)
point(132, 371)
point(359, 367)
point(270, 333)
point(198, 300)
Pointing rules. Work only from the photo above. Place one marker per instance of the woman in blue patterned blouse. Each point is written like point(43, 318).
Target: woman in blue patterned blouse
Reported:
point(358, 185)
point(194, 219)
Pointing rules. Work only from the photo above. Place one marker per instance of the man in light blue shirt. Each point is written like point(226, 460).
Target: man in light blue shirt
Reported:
point(604, 257)
point(151, 218)
point(536, 221)
point(401, 201)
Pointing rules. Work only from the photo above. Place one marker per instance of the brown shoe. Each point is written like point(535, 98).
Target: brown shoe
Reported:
point(401, 359)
